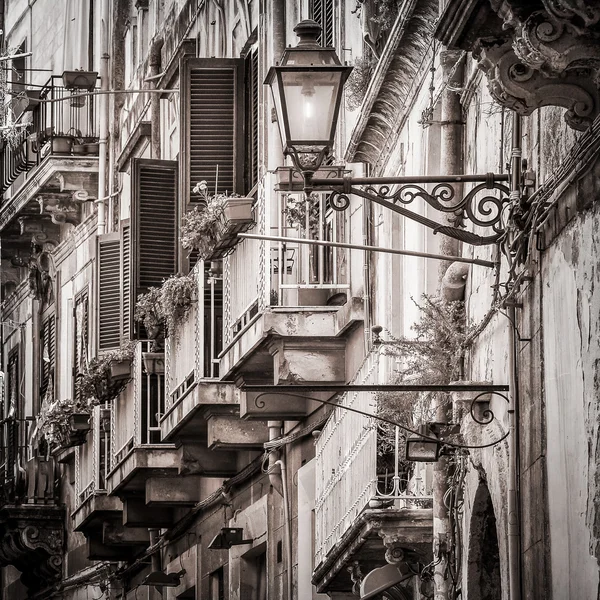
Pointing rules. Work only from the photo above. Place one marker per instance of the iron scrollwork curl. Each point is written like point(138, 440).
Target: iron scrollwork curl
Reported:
point(339, 201)
point(487, 414)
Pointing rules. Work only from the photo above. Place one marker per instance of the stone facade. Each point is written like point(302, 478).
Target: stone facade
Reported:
point(186, 486)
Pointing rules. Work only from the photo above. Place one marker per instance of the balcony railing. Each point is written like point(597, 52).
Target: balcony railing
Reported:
point(137, 411)
point(192, 355)
point(349, 473)
point(57, 126)
point(260, 273)
point(24, 478)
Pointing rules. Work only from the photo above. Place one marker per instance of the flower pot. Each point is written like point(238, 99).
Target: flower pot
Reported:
point(154, 362)
point(80, 422)
point(80, 80)
point(120, 369)
point(62, 144)
point(238, 210)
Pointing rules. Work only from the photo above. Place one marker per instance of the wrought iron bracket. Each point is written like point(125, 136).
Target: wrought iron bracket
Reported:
point(483, 205)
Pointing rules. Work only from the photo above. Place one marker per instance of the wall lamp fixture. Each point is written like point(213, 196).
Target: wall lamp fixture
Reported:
point(428, 446)
point(227, 537)
point(307, 87)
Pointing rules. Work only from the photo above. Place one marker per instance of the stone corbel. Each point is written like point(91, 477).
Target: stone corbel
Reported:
point(44, 234)
point(520, 87)
point(61, 208)
point(579, 15)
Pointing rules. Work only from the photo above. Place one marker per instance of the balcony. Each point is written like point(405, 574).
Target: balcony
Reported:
point(52, 166)
point(138, 450)
point(367, 507)
point(31, 517)
point(287, 299)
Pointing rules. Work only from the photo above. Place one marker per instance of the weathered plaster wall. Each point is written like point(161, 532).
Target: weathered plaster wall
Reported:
point(571, 320)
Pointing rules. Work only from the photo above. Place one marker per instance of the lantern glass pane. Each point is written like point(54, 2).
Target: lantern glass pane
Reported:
point(281, 116)
point(311, 99)
point(421, 450)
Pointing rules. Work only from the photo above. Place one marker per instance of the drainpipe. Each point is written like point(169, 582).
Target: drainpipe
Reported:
point(276, 10)
point(103, 114)
point(280, 484)
point(288, 527)
point(514, 525)
point(451, 163)
point(155, 98)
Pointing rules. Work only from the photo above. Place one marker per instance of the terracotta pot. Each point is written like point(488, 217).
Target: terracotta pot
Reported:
point(80, 422)
point(238, 209)
point(80, 80)
point(154, 362)
point(62, 144)
point(120, 370)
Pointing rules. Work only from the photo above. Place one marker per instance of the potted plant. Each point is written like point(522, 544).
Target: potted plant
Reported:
point(97, 383)
point(148, 311)
point(64, 423)
point(211, 228)
point(154, 362)
point(177, 294)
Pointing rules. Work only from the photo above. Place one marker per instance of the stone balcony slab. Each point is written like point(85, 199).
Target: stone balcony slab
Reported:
point(377, 537)
point(95, 510)
point(142, 462)
point(185, 417)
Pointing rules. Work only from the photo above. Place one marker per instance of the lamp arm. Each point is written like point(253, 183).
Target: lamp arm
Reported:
point(261, 404)
point(340, 201)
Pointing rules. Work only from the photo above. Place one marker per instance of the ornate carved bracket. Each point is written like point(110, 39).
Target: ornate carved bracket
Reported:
point(61, 207)
point(532, 58)
point(32, 540)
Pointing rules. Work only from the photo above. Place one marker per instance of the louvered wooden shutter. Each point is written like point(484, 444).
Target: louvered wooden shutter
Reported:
point(213, 114)
point(126, 300)
point(154, 229)
point(48, 343)
point(252, 112)
point(81, 339)
point(323, 14)
point(109, 292)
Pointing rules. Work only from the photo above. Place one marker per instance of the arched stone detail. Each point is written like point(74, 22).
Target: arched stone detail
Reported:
point(483, 576)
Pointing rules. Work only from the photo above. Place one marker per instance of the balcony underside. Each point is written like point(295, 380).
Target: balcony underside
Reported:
point(399, 532)
point(54, 183)
point(31, 539)
point(95, 510)
point(142, 462)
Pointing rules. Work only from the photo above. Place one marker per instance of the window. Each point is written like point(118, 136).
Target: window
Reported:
point(217, 585)
point(322, 11)
point(81, 339)
point(48, 357)
point(213, 113)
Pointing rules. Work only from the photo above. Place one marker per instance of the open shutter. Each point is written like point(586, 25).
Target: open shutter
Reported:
point(323, 13)
point(48, 344)
point(213, 113)
point(252, 112)
point(154, 223)
point(126, 281)
point(109, 292)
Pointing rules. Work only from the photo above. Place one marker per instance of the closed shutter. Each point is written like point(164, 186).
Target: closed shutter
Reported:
point(213, 113)
point(252, 112)
point(154, 220)
point(109, 292)
point(323, 14)
point(48, 342)
point(81, 340)
point(126, 281)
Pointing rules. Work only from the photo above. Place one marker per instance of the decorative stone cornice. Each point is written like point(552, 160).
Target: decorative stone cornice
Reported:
point(32, 540)
point(532, 58)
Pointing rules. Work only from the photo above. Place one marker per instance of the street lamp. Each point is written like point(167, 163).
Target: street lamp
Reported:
point(424, 447)
point(307, 87)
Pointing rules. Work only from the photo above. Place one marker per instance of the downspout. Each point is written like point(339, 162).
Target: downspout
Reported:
point(288, 527)
point(514, 521)
point(276, 10)
point(103, 114)
point(451, 163)
point(279, 483)
point(155, 98)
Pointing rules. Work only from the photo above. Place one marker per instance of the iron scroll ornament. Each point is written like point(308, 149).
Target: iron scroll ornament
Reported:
point(487, 414)
point(483, 211)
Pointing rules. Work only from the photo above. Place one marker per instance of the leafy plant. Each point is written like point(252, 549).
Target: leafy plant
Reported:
point(359, 80)
point(201, 227)
point(167, 306)
point(435, 357)
point(54, 419)
point(96, 382)
point(387, 11)
point(298, 208)
point(148, 310)
point(177, 294)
